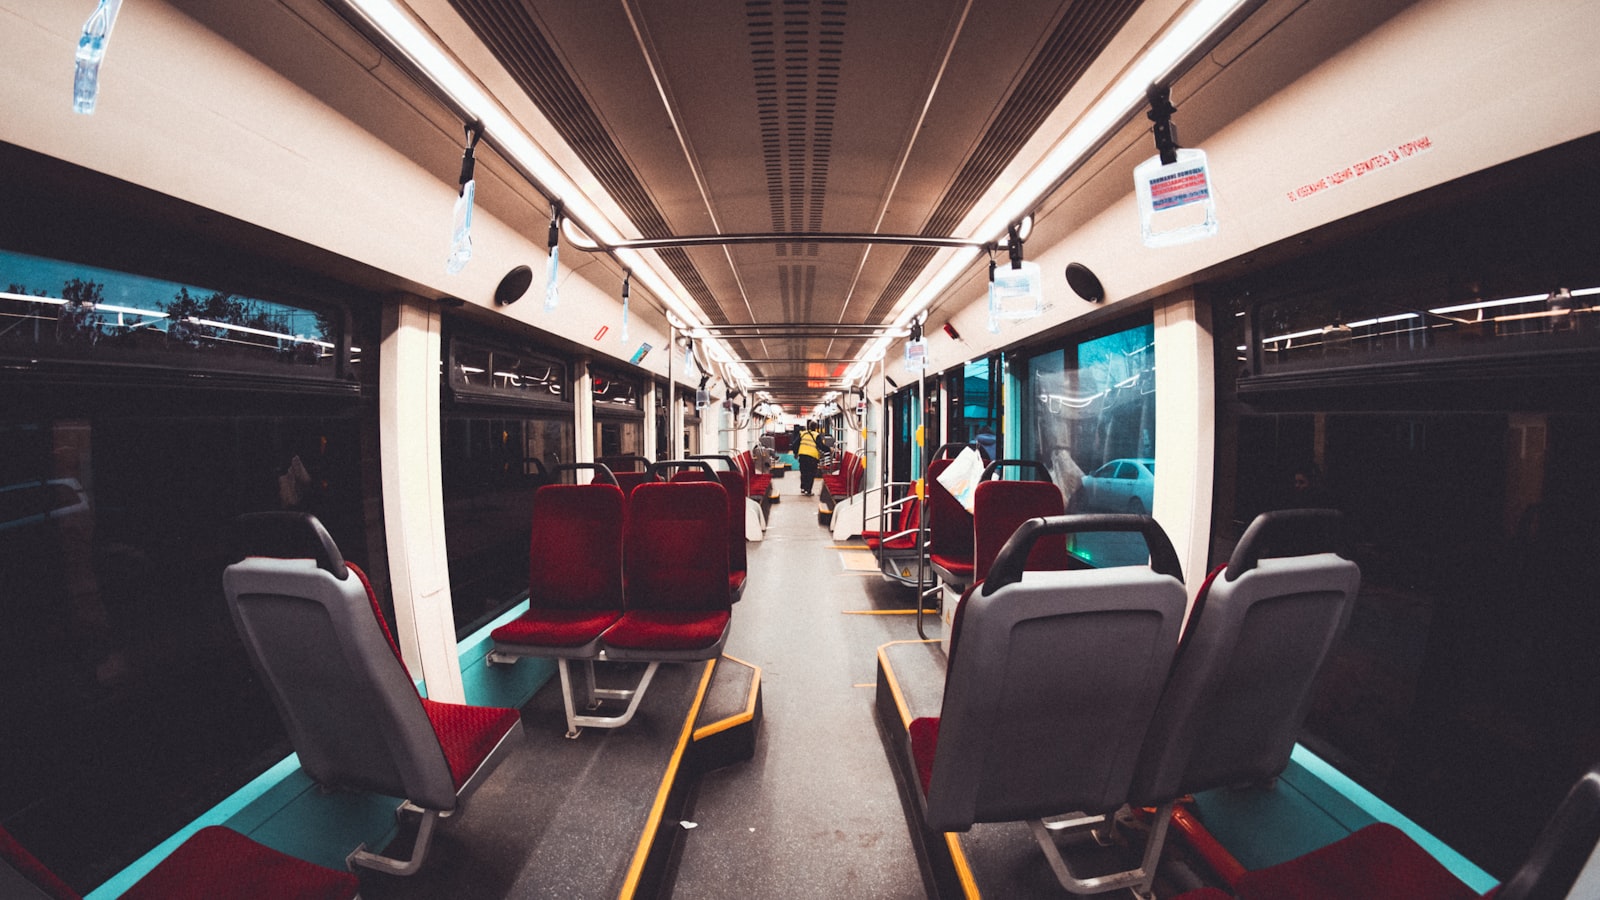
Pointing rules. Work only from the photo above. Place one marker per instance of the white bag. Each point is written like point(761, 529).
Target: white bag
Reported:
point(960, 478)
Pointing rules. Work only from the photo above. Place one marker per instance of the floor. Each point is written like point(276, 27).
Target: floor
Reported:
point(815, 812)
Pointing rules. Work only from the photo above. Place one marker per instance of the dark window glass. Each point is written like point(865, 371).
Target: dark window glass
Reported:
point(129, 703)
point(614, 391)
point(505, 425)
point(1467, 678)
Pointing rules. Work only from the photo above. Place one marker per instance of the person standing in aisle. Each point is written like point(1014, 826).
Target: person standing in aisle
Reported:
point(808, 452)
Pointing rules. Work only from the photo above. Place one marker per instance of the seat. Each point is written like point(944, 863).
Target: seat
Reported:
point(950, 543)
point(738, 566)
point(897, 551)
point(1242, 684)
point(215, 862)
point(574, 584)
point(676, 602)
point(1379, 862)
point(629, 471)
point(1052, 678)
point(317, 639)
point(999, 507)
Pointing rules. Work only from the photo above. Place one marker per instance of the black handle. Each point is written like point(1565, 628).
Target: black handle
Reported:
point(287, 534)
point(657, 468)
point(640, 463)
point(995, 467)
point(1007, 567)
point(1304, 531)
point(602, 472)
point(732, 466)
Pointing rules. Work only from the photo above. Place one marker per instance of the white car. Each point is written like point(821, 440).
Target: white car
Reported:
point(1121, 485)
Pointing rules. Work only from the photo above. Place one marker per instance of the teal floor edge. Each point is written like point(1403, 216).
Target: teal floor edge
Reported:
point(1313, 805)
point(282, 808)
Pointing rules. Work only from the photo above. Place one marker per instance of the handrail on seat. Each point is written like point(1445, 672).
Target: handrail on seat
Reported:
point(1051, 683)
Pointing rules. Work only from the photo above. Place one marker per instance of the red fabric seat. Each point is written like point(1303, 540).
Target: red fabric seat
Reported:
point(678, 630)
point(675, 561)
point(574, 572)
point(215, 863)
point(998, 507)
point(352, 710)
point(950, 536)
point(1376, 863)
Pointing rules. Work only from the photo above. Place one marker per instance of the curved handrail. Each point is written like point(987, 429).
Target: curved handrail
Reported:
point(995, 467)
point(1323, 524)
point(1007, 567)
point(603, 473)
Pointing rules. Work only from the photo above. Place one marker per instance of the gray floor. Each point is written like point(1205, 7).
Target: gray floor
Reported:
point(816, 812)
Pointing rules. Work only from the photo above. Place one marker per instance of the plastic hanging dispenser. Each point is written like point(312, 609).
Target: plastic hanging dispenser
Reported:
point(91, 52)
point(551, 290)
point(1176, 200)
point(994, 303)
point(461, 215)
point(627, 276)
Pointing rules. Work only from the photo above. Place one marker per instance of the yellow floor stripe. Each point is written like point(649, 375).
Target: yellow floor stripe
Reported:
point(658, 809)
point(880, 612)
point(749, 707)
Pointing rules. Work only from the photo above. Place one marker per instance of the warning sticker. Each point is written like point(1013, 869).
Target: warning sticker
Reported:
point(1397, 154)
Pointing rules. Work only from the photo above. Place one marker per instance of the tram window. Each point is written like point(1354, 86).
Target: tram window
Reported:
point(63, 310)
point(1466, 679)
point(130, 706)
point(974, 392)
point(488, 492)
point(1092, 424)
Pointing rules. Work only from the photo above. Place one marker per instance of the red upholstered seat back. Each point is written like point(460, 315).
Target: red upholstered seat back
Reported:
point(17, 857)
point(675, 552)
point(998, 507)
point(627, 481)
point(733, 484)
point(949, 523)
point(575, 552)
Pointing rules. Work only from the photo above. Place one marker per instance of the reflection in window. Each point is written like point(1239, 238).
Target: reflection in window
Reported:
point(478, 367)
point(1401, 322)
point(491, 469)
point(612, 390)
point(1092, 423)
point(60, 309)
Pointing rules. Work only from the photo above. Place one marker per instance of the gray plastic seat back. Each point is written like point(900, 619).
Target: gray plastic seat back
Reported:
point(1241, 689)
point(352, 712)
point(1052, 680)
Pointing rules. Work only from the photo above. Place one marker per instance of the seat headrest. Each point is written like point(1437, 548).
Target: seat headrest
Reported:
point(288, 535)
point(1286, 532)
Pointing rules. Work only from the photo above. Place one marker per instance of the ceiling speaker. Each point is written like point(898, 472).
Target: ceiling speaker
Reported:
point(1084, 283)
point(513, 286)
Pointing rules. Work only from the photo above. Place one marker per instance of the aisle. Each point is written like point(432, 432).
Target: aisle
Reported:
point(815, 812)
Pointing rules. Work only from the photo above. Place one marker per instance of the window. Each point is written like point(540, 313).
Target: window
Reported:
point(1459, 442)
point(1091, 422)
point(63, 310)
point(505, 423)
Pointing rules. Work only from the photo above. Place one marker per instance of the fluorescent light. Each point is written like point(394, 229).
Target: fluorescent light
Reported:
point(1491, 304)
point(410, 39)
point(1127, 95)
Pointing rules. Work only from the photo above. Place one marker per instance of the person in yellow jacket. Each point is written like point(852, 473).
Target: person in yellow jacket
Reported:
point(809, 453)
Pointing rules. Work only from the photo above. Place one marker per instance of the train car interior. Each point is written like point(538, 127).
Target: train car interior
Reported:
point(790, 448)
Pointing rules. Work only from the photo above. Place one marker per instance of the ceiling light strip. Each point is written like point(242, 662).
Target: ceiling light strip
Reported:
point(429, 62)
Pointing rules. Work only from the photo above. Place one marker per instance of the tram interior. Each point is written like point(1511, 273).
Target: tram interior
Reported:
point(1422, 359)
